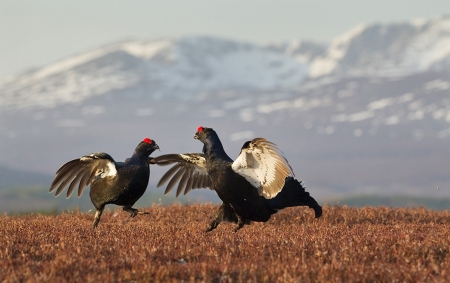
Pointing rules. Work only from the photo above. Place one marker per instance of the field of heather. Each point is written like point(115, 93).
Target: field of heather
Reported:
point(170, 245)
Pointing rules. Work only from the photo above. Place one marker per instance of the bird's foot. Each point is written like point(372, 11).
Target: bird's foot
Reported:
point(95, 223)
point(133, 211)
point(240, 224)
point(237, 228)
point(213, 225)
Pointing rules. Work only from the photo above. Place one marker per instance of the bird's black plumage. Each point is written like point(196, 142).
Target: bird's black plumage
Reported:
point(252, 188)
point(119, 183)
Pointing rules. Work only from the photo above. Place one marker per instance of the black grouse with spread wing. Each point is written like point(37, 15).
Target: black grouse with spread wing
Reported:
point(119, 183)
point(253, 187)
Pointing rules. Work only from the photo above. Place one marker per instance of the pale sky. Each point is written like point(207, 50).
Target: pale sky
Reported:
point(34, 33)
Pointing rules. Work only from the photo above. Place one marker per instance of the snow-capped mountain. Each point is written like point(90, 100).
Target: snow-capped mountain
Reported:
point(369, 112)
point(185, 66)
point(301, 50)
point(162, 68)
point(388, 49)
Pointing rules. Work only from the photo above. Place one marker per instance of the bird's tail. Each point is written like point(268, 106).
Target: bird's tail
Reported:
point(294, 194)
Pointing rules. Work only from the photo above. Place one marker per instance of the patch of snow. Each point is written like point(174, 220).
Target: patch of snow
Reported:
point(358, 132)
point(247, 114)
point(329, 130)
point(380, 104)
point(146, 50)
point(407, 97)
point(416, 115)
point(338, 118)
point(360, 116)
point(216, 113)
point(276, 106)
point(241, 135)
point(438, 85)
point(392, 120)
point(415, 105)
point(148, 111)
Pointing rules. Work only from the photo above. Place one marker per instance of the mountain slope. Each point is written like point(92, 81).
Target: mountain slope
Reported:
point(11, 178)
point(180, 68)
point(388, 49)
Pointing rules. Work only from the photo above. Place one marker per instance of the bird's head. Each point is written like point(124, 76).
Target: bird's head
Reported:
point(147, 146)
point(202, 133)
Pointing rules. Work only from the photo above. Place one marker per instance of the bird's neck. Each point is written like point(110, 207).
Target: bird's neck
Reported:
point(212, 147)
point(139, 157)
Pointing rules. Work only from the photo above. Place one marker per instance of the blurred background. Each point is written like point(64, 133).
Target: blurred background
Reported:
point(355, 93)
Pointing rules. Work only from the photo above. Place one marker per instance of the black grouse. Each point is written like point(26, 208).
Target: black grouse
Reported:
point(119, 183)
point(253, 187)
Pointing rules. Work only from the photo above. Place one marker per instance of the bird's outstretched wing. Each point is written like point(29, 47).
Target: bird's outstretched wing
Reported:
point(262, 164)
point(83, 172)
point(189, 172)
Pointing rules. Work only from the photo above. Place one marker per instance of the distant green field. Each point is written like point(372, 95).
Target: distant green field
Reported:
point(393, 201)
point(38, 199)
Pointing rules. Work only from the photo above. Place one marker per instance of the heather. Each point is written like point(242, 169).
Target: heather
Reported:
point(370, 244)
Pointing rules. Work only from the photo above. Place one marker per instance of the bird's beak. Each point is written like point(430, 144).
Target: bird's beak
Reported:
point(196, 136)
point(156, 147)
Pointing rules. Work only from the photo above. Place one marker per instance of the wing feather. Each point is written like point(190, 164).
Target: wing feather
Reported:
point(182, 184)
point(84, 180)
point(263, 165)
point(189, 172)
point(82, 172)
point(68, 177)
point(175, 179)
point(190, 183)
point(168, 175)
point(61, 174)
point(73, 184)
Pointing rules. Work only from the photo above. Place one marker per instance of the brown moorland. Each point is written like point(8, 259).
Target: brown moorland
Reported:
point(171, 245)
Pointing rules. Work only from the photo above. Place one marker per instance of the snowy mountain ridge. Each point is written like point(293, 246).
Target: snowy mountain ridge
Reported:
point(186, 66)
point(388, 49)
point(180, 67)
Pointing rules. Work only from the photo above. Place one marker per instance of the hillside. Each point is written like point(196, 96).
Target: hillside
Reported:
point(13, 178)
point(170, 245)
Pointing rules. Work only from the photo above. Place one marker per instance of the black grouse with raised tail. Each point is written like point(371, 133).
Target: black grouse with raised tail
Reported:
point(119, 183)
point(253, 187)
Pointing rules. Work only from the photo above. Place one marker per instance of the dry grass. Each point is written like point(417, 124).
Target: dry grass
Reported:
point(169, 244)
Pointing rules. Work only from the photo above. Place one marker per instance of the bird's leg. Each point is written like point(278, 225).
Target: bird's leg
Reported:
point(225, 213)
point(219, 218)
point(240, 223)
point(97, 216)
point(213, 225)
point(133, 211)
